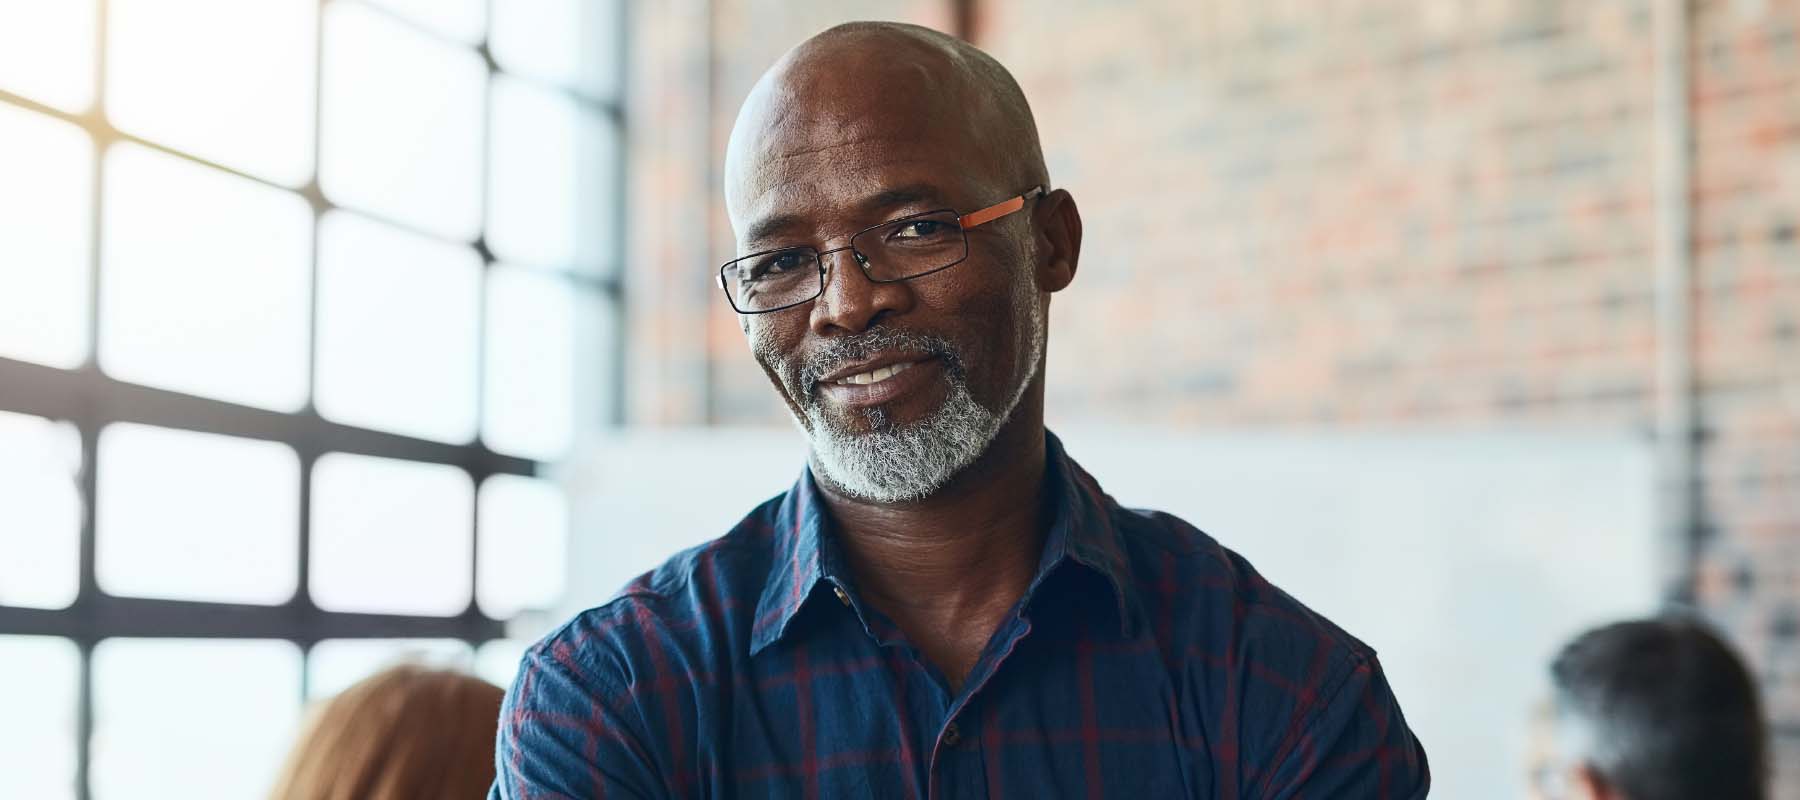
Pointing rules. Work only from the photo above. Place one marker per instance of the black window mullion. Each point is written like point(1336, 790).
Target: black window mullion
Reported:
point(89, 424)
point(307, 452)
point(476, 477)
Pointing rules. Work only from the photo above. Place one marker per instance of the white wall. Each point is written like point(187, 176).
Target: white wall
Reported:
point(1463, 558)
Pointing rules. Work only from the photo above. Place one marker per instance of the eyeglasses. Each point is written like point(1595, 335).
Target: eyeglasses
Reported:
point(897, 250)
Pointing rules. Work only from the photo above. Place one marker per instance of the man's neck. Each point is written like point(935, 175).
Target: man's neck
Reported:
point(948, 568)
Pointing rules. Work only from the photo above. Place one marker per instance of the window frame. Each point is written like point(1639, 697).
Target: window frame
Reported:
point(91, 400)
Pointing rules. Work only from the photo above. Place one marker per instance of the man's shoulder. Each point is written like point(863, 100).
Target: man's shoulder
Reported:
point(699, 600)
point(1187, 575)
point(1294, 693)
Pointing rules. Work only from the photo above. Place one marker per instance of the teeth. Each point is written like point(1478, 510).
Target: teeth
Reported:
point(873, 376)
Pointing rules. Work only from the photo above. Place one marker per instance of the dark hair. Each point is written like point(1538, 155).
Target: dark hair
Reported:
point(1670, 709)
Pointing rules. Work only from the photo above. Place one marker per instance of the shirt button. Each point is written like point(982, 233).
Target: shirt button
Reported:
point(952, 735)
point(842, 597)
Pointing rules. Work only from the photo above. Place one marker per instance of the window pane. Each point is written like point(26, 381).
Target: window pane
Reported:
point(401, 127)
point(337, 664)
point(596, 350)
point(462, 20)
point(47, 51)
point(44, 211)
point(568, 42)
point(524, 530)
point(399, 330)
point(529, 407)
point(204, 281)
point(40, 677)
point(497, 662)
point(225, 80)
point(390, 536)
point(40, 513)
point(553, 169)
point(196, 516)
point(192, 718)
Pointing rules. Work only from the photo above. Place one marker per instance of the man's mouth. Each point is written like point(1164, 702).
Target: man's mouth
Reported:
point(876, 375)
point(882, 379)
point(874, 369)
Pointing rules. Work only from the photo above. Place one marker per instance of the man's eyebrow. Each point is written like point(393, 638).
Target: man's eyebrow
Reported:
point(872, 205)
point(900, 196)
point(769, 226)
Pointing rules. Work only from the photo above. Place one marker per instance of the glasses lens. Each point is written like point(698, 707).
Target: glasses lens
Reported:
point(772, 280)
point(913, 246)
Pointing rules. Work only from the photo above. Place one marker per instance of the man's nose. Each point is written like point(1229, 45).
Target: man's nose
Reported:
point(851, 301)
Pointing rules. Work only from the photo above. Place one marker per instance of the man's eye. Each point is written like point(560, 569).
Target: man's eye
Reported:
point(920, 229)
point(776, 265)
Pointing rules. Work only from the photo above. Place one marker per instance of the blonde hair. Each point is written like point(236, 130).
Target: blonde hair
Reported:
point(407, 732)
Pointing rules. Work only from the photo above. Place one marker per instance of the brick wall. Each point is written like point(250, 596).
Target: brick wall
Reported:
point(1338, 213)
point(1746, 112)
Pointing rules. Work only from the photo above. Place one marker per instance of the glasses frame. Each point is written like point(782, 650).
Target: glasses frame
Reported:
point(964, 222)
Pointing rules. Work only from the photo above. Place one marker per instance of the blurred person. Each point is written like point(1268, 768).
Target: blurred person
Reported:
point(1657, 709)
point(944, 602)
point(407, 732)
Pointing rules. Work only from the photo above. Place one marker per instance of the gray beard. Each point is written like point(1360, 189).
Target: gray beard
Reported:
point(893, 463)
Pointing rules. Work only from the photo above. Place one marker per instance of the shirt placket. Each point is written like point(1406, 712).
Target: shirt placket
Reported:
point(959, 760)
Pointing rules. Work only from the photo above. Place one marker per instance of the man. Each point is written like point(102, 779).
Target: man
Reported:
point(1652, 710)
point(944, 604)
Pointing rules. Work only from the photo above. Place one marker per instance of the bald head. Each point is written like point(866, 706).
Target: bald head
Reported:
point(866, 95)
point(903, 136)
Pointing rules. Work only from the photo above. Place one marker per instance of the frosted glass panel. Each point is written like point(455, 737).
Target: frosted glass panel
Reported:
point(46, 175)
point(391, 536)
point(195, 516)
point(399, 330)
point(225, 80)
point(523, 540)
point(192, 718)
point(462, 20)
point(205, 281)
point(47, 51)
point(530, 368)
point(40, 677)
point(497, 662)
point(40, 513)
point(401, 128)
point(552, 180)
point(337, 664)
point(569, 42)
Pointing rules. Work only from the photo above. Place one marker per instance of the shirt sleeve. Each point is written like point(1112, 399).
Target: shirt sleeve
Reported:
point(1356, 744)
point(562, 738)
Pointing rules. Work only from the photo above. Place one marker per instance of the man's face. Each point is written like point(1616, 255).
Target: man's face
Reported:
point(827, 162)
point(1555, 773)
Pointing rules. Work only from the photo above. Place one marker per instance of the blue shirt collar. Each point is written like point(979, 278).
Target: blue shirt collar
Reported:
point(1082, 530)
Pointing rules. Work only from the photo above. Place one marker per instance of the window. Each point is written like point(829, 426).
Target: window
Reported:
point(335, 664)
point(39, 688)
point(195, 516)
point(234, 703)
point(45, 212)
point(40, 512)
point(298, 303)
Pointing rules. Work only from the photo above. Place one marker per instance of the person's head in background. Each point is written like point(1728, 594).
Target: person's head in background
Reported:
point(407, 732)
point(1656, 709)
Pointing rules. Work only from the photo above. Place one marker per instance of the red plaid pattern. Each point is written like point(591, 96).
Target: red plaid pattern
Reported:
point(1144, 661)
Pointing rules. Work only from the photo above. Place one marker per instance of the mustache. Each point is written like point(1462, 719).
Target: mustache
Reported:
point(833, 353)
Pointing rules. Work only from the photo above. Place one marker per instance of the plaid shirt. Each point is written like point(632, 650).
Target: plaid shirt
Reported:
point(1144, 661)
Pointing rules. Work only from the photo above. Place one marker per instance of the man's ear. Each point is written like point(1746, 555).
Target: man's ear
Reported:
point(1589, 784)
point(1059, 240)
